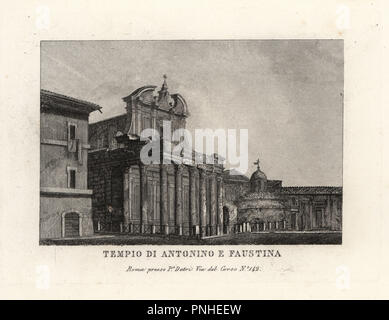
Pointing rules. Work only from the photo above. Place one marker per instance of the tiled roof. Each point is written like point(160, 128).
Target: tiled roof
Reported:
point(89, 106)
point(274, 183)
point(111, 119)
point(312, 190)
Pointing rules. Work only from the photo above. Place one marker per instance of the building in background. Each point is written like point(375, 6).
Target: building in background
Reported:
point(265, 205)
point(65, 200)
point(314, 208)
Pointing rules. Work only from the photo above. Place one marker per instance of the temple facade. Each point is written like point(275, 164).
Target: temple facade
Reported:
point(183, 199)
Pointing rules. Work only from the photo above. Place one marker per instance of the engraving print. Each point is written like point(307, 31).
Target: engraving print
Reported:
point(221, 142)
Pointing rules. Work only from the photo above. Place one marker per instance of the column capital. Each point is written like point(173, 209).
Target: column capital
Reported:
point(202, 172)
point(142, 168)
point(179, 168)
point(202, 167)
point(163, 167)
point(125, 170)
point(212, 174)
point(163, 170)
point(193, 170)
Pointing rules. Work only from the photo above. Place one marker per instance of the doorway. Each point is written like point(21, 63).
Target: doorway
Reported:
point(226, 219)
point(72, 225)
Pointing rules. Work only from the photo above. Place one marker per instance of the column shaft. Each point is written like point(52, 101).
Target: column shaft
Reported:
point(126, 199)
point(213, 205)
point(203, 203)
point(327, 213)
point(193, 216)
point(310, 205)
point(314, 221)
point(164, 205)
point(334, 213)
point(178, 189)
point(143, 197)
point(220, 204)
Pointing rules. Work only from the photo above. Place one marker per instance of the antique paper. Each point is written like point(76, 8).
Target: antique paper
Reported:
point(355, 267)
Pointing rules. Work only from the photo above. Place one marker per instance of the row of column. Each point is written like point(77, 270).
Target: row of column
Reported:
point(211, 223)
point(202, 222)
point(264, 226)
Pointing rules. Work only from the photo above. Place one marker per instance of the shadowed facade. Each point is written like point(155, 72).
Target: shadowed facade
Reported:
point(184, 199)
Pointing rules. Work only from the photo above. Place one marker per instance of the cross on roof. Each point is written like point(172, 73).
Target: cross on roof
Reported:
point(257, 163)
point(164, 85)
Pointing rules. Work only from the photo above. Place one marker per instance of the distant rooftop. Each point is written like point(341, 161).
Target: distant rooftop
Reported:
point(234, 175)
point(312, 190)
point(110, 119)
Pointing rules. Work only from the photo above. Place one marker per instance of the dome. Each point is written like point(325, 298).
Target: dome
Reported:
point(258, 181)
point(258, 175)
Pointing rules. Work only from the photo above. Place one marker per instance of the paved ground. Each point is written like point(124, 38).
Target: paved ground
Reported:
point(242, 238)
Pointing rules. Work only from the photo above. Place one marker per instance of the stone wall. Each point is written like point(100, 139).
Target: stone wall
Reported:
point(54, 154)
point(57, 197)
point(52, 209)
point(107, 186)
point(234, 190)
point(316, 211)
point(102, 133)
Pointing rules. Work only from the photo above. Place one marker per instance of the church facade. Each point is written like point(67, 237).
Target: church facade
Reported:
point(129, 196)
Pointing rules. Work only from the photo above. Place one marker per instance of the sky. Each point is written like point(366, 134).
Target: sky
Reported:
point(287, 93)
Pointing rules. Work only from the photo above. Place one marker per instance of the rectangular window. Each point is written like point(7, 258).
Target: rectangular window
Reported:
point(72, 131)
point(72, 178)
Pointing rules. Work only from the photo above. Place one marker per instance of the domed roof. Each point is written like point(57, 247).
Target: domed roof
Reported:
point(258, 175)
point(258, 180)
